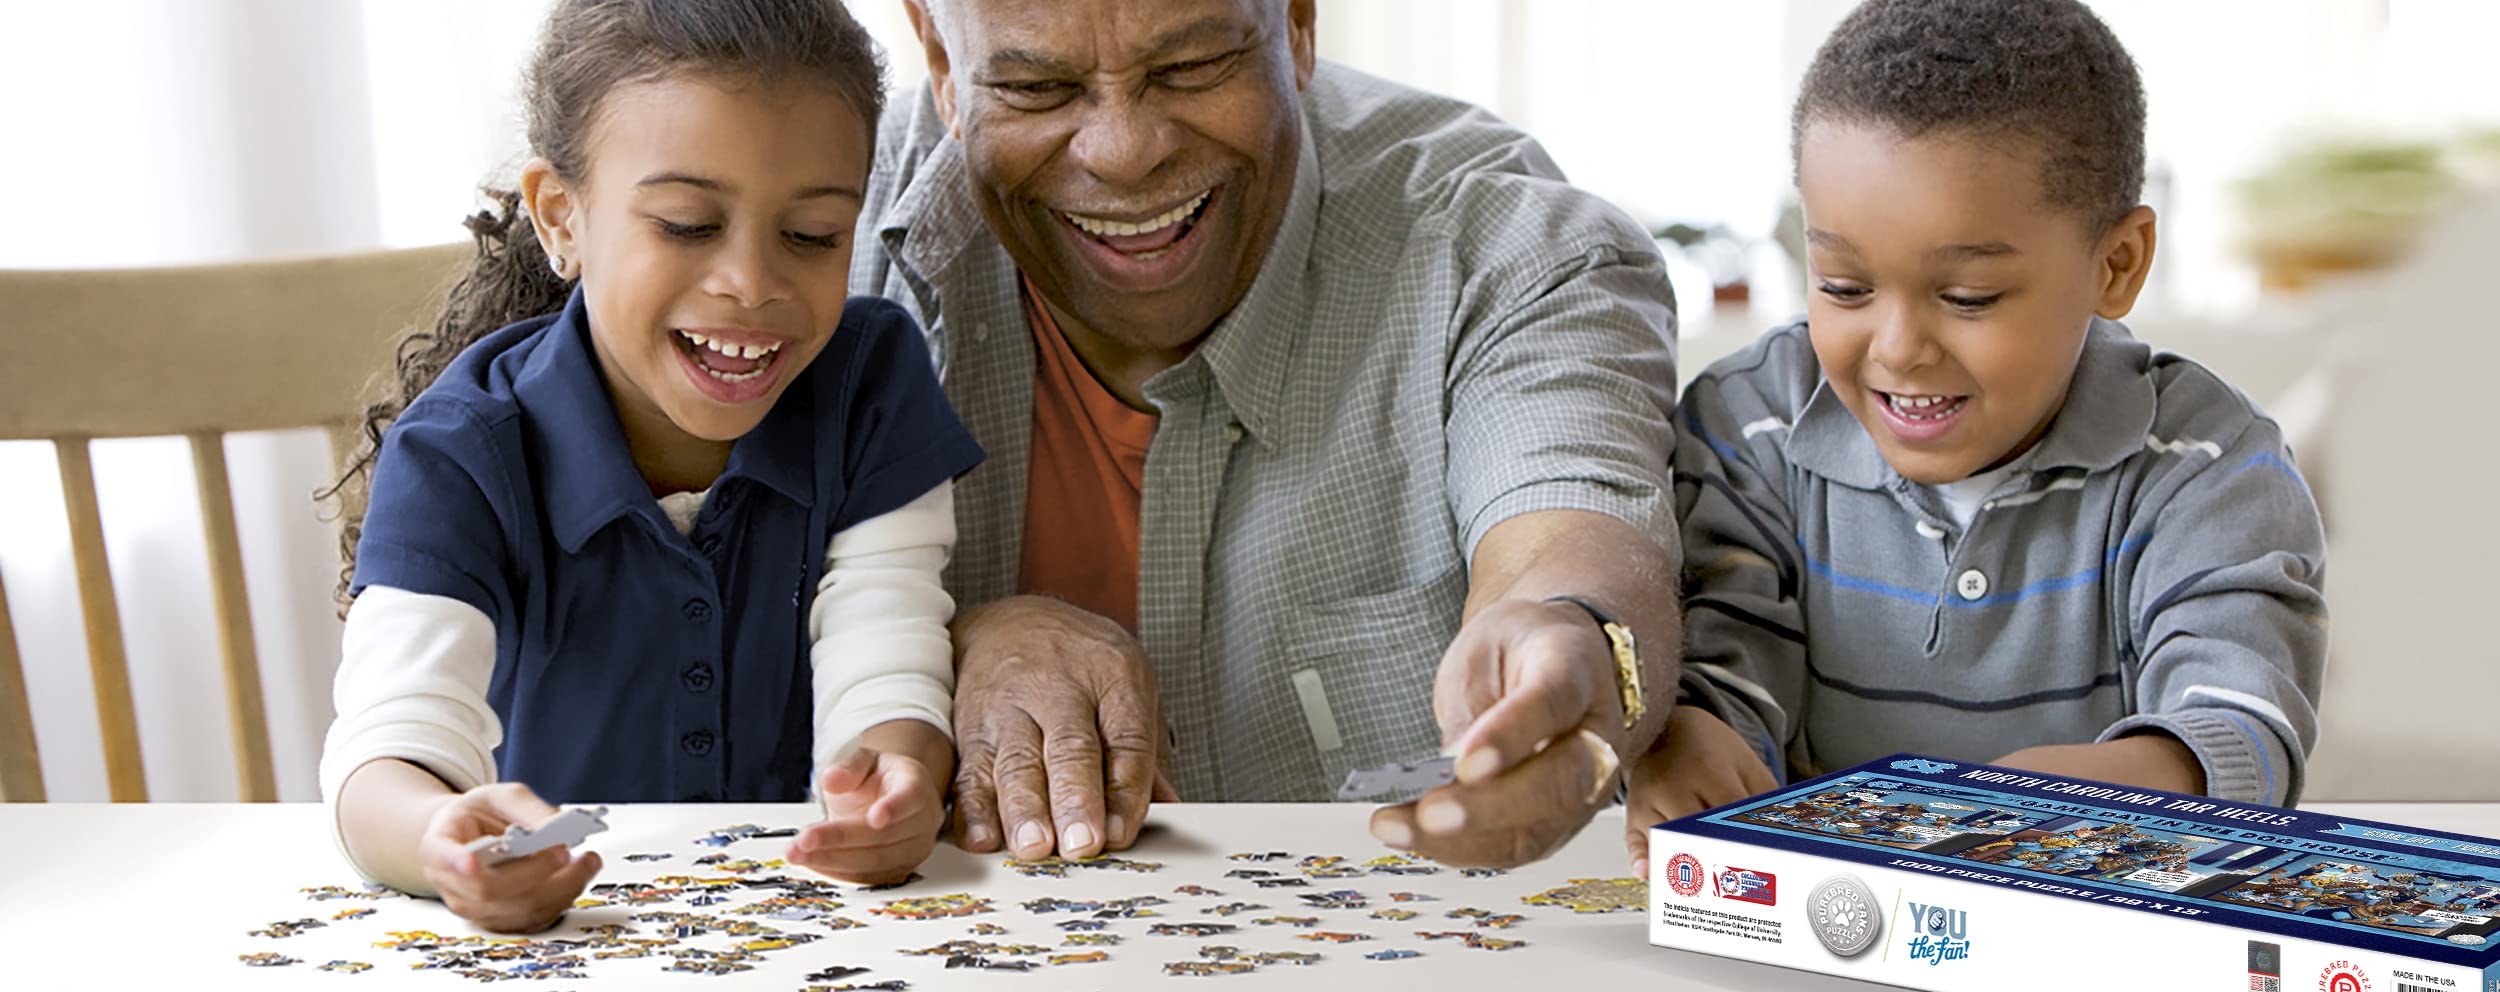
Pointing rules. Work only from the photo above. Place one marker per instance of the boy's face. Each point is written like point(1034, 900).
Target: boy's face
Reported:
point(712, 235)
point(1946, 298)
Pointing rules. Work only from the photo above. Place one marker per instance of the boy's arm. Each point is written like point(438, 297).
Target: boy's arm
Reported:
point(1744, 626)
point(2228, 611)
point(880, 649)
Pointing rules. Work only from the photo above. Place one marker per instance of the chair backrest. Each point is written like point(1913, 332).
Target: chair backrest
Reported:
point(195, 351)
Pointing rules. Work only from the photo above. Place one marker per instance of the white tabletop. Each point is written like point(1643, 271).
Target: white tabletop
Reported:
point(163, 895)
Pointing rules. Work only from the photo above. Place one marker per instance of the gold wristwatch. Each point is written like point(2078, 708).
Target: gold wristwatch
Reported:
point(1628, 678)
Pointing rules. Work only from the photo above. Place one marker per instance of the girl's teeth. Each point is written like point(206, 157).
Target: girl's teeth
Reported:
point(728, 350)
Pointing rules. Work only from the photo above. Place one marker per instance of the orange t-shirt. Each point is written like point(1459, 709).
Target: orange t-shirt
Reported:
point(1084, 483)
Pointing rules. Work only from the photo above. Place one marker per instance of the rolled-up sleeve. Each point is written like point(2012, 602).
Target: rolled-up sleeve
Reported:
point(2229, 609)
point(1564, 400)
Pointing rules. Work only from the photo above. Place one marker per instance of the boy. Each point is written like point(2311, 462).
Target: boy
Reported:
point(1959, 510)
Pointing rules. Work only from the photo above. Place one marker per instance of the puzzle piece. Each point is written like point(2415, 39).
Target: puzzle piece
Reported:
point(935, 907)
point(1399, 777)
point(1199, 969)
point(1596, 895)
point(1190, 929)
point(568, 827)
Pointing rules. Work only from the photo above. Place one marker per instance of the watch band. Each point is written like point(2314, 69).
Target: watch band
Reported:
point(1628, 676)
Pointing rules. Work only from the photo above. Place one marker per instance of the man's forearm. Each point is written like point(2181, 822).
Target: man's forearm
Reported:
point(1610, 563)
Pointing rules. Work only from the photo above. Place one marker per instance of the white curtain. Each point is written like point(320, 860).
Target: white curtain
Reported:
point(163, 131)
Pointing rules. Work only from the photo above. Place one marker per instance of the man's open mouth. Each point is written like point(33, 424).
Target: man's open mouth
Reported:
point(1143, 239)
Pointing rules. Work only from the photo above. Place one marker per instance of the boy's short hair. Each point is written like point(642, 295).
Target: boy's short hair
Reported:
point(2044, 71)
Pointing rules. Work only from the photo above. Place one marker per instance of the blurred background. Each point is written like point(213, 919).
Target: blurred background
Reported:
point(2327, 173)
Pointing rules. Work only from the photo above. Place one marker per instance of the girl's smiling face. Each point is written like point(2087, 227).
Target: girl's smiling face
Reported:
point(1947, 299)
point(711, 230)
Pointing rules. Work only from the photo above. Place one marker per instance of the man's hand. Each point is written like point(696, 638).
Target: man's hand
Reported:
point(1526, 699)
point(884, 803)
point(524, 895)
point(1058, 730)
point(1700, 762)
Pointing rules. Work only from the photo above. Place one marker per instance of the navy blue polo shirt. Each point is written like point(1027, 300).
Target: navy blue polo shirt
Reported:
point(634, 663)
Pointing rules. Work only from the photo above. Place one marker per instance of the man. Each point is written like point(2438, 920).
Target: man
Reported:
point(1306, 395)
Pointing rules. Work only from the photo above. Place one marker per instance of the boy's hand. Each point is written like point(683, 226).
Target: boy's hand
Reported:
point(1700, 762)
point(524, 895)
point(882, 814)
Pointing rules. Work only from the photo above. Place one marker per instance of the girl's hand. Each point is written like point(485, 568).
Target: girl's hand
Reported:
point(1699, 763)
point(882, 814)
point(524, 895)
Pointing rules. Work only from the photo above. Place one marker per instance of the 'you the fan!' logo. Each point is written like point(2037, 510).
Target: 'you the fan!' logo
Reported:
point(1940, 933)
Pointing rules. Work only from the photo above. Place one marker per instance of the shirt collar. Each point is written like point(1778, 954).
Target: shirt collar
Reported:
point(2108, 412)
point(587, 477)
point(1251, 349)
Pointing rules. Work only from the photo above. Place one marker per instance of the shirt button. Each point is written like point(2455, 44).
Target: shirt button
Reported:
point(1232, 433)
point(697, 677)
point(1971, 585)
point(698, 610)
point(698, 743)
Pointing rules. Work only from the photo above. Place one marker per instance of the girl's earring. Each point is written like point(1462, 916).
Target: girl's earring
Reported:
point(556, 264)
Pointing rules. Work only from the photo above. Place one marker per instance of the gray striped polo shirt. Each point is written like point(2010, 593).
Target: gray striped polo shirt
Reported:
point(2156, 565)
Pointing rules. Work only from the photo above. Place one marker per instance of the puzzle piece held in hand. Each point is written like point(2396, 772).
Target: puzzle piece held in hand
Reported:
point(565, 829)
point(1399, 776)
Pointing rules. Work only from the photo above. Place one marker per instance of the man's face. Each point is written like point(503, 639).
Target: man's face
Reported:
point(1134, 156)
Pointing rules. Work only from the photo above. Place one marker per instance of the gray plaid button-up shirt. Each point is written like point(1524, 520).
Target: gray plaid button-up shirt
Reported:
point(1444, 335)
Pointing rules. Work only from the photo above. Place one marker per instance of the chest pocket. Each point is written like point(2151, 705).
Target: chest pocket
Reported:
point(1360, 672)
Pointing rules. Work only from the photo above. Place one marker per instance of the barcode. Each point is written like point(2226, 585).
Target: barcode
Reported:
point(2408, 987)
point(2264, 983)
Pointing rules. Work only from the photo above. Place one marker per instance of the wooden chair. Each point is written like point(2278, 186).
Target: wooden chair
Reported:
point(192, 351)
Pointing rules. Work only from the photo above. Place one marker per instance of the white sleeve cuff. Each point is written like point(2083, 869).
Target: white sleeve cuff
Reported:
point(880, 646)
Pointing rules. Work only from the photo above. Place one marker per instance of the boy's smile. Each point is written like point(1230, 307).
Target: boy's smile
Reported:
point(1948, 300)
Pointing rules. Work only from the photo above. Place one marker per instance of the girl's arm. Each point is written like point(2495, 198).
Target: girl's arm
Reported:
point(409, 771)
point(884, 682)
point(413, 727)
point(881, 652)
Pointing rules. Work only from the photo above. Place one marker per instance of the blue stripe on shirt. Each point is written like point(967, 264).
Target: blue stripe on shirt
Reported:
point(2077, 580)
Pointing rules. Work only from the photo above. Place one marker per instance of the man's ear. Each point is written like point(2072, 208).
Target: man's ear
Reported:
point(2122, 261)
point(1301, 28)
point(555, 212)
point(924, 23)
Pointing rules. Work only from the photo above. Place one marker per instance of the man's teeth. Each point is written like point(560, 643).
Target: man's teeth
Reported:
point(728, 350)
point(1922, 407)
point(1101, 228)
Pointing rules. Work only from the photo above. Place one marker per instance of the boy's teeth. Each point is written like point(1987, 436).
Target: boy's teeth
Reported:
point(1921, 407)
point(1101, 228)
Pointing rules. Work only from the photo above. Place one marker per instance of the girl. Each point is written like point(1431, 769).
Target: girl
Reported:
point(673, 532)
